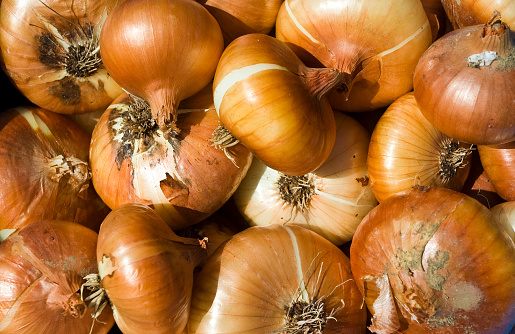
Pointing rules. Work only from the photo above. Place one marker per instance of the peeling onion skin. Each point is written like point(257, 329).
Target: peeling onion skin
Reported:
point(376, 52)
point(185, 179)
point(464, 13)
point(146, 270)
point(35, 37)
point(498, 162)
point(446, 260)
point(41, 269)
point(247, 285)
point(45, 171)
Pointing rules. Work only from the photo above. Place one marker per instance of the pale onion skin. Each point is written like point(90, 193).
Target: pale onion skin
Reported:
point(146, 270)
point(376, 52)
point(505, 212)
point(471, 104)
point(36, 63)
point(185, 179)
point(240, 17)
point(45, 170)
point(249, 282)
point(405, 150)
point(433, 260)
point(267, 99)
point(342, 194)
point(463, 13)
point(41, 271)
point(498, 162)
point(162, 51)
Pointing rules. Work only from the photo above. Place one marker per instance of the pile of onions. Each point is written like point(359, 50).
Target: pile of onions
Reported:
point(331, 201)
point(41, 271)
point(463, 13)
point(498, 162)
point(374, 53)
point(45, 171)
point(184, 176)
point(407, 150)
point(276, 279)
point(433, 260)
point(145, 271)
point(50, 50)
point(463, 83)
point(275, 105)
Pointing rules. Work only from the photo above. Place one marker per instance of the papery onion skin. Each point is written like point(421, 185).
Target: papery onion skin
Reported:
point(505, 212)
point(162, 51)
point(247, 285)
point(463, 13)
point(498, 162)
point(406, 150)
point(146, 270)
point(265, 98)
point(41, 271)
point(376, 52)
point(35, 39)
point(472, 104)
point(437, 17)
point(183, 176)
point(338, 193)
point(447, 264)
point(44, 168)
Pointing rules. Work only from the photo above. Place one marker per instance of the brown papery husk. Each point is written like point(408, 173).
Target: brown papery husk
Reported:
point(447, 263)
point(252, 281)
point(468, 102)
point(146, 270)
point(41, 271)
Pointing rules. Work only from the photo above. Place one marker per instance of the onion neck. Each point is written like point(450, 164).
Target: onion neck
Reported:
point(322, 80)
point(496, 36)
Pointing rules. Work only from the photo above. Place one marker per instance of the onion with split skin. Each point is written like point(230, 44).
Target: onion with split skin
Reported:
point(433, 260)
point(276, 279)
point(50, 51)
point(374, 53)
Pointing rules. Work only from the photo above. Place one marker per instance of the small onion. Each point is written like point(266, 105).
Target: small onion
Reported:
point(433, 260)
point(41, 271)
point(50, 51)
point(463, 83)
point(331, 201)
point(505, 212)
point(276, 279)
point(499, 163)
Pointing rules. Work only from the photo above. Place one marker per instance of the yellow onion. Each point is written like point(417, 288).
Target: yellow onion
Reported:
point(505, 213)
point(331, 201)
point(183, 175)
point(50, 50)
point(406, 150)
point(276, 279)
point(41, 271)
point(433, 260)
point(45, 172)
point(275, 105)
point(374, 45)
point(498, 162)
point(463, 13)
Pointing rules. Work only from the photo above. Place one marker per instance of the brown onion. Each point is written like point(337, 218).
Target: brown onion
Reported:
point(373, 45)
point(505, 213)
point(44, 168)
point(406, 150)
point(498, 162)
point(275, 105)
point(433, 260)
point(463, 13)
point(50, 52)
point(276, 279)
point(41, 270)
point(463, 84)
point(162, 51)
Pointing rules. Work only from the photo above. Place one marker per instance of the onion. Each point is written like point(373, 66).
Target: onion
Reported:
point(276, 279)
point(161, 51)
point(45, 171)
point(50, 51)
point(498, 162)
point(433, 260)
point(183, 175)
point(463, 13)
point(145, 271)
point(275, 105)
point(505, 213)
point(331, 201)
point(406, 150)
point(374, 45)
point(463, 84)
point(41, 270)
